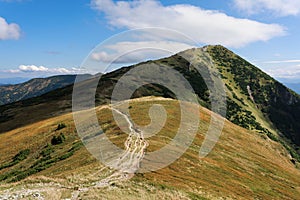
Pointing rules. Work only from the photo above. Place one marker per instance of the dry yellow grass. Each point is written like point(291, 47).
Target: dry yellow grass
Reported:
point(243, 164)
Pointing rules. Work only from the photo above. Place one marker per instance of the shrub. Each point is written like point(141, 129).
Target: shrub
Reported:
point(47, 151)
point(58, 139)
point(272, 137)
point(22, 155)
point(60, 126)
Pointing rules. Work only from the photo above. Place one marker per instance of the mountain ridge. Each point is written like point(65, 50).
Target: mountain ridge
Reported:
point(271, 112)
point(43, 154)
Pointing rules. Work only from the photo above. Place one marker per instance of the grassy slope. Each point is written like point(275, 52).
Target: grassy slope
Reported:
point(243, 165)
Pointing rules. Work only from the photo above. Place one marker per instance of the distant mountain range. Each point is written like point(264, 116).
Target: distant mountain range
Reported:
point(13, 80)
point(35, 87)
point(294, 86)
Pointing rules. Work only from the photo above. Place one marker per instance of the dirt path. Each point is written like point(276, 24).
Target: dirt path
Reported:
point(129, 161)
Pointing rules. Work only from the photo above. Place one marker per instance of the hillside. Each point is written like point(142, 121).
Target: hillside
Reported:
point(243, 165)
point(255, 100)
point(275, 107)
point(35, 87)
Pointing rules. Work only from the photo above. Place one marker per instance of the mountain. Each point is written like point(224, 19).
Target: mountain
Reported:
point(275, 107)
point(272, 108)
point(263, 144)
point(35, 87)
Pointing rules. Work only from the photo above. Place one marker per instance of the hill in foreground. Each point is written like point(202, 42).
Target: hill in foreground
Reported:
point(243, 165)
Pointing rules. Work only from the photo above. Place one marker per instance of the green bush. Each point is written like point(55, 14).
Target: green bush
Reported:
point(272, 137)
point(58, 139)
point(47, 151)
point(60, 126)
point(41, 164)
point(22, 155)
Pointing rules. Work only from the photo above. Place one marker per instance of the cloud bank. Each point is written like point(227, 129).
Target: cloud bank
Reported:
point(139, 51)
point(205, 26)
point(42, 69)
point(278, 7)
point(286, 72)
point(9, 31)
point(282, 61)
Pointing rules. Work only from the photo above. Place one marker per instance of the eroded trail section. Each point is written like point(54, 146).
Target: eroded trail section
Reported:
point(129, 162)
point(135, 148)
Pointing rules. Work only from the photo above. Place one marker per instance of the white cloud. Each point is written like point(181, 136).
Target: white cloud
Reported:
point(32, 68)
point(278, 7)
point(133, 52)
point(286, 72)
point(42, 69)
point(282, 61)
point(9, 31)
point(205, 26)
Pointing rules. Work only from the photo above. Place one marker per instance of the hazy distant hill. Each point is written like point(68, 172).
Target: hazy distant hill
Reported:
point(13, 80)
point(34, 87)
point(294, 86)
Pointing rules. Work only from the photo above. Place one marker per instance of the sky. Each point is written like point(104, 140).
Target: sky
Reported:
point(41, 38)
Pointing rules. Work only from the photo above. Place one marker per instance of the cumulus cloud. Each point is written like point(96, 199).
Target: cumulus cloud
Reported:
point(138, 51)
point(32, 68)
point(205, 26)
point(42, 69)
point(278, 7)
point(9, 31)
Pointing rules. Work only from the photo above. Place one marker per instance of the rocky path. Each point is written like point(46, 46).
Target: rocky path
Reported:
point(129, 161)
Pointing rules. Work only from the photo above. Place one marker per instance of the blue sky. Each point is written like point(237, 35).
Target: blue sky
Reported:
point(41, 38)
